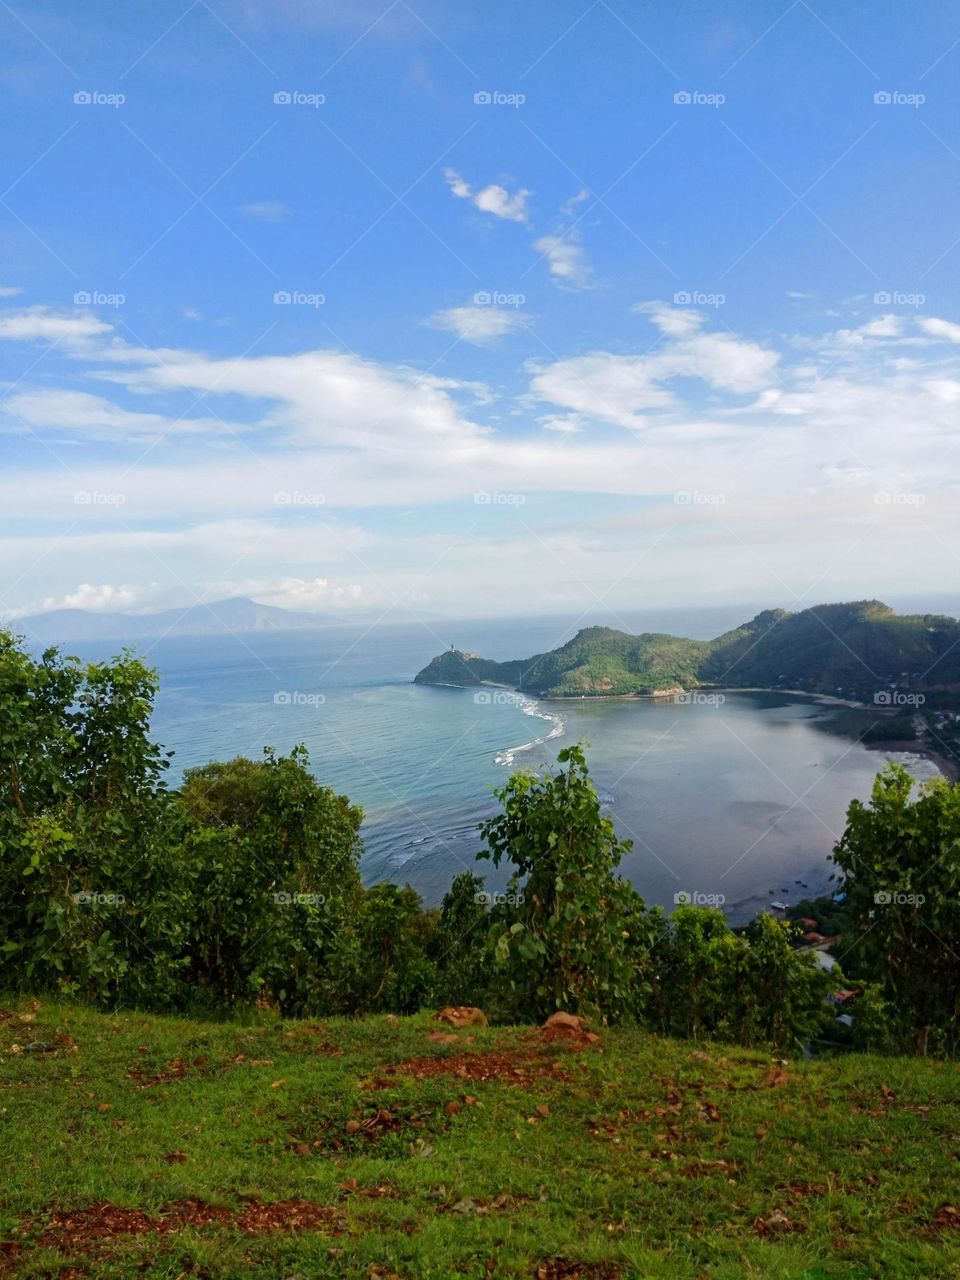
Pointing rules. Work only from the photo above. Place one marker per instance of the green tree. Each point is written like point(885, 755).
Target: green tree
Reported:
point(458, 946)
point(751, 987)
point(90, 899)
point(561, 940)
point(275, 858)
point(900, 857)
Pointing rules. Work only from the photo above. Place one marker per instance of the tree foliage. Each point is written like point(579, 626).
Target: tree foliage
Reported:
point(900, 857)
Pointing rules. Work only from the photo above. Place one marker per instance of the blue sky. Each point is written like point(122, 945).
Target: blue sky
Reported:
point(477, 308)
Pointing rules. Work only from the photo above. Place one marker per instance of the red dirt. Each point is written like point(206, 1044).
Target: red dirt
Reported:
point(564, 1269)
point(175, 1069)
point(83, 1228)
point(511, 1068)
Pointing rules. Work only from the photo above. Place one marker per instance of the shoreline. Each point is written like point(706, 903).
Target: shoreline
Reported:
point(947, 767)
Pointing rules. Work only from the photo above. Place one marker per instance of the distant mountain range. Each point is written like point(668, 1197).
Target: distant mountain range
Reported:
point(854, 650)
point(220, 617)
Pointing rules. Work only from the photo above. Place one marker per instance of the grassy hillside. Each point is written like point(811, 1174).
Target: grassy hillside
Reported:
point(857, 649)
point(140, 1146)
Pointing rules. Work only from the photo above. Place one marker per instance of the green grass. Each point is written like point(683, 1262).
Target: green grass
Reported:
point(642, 1156)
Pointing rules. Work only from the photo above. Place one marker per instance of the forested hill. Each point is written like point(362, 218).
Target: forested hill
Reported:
point(852, 649)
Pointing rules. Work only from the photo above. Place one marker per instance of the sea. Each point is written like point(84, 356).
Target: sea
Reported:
point(735, 801)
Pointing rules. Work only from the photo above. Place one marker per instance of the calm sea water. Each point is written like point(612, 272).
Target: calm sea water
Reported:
point(741, 799)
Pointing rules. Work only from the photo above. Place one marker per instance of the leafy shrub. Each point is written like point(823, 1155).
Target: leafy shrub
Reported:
point(560, 941)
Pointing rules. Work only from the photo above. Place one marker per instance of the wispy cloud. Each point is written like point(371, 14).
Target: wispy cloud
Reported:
point(490, 199)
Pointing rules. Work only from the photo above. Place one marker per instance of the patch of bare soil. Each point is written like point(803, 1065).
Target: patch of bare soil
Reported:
point(81, 1229)
point(517, 1067)
point(565, 1269)
point(175, 1069)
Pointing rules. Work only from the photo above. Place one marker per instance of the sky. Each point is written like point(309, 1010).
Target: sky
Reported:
point(370, 307)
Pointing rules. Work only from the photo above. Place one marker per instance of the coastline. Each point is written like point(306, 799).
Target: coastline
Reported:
point(946, 766)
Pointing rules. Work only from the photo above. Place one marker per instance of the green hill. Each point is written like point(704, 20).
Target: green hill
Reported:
point(858, 649)
point(398, 1149)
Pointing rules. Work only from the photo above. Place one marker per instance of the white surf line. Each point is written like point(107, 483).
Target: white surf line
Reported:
point(530, 707)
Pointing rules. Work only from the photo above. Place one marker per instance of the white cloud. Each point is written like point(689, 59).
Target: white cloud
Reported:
point(266, 211)
point(81, 414)
point(566, 261)
point(96, 598)
point(491, 199)
point(320, 397)
point(570, 205)
point(304, 594)
point(565, 424)
point(479, 325)
point(49, 325)
point(940, 328)
point(798, 445)
point(887, 326)
point(9, 291)
point(619, 389)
